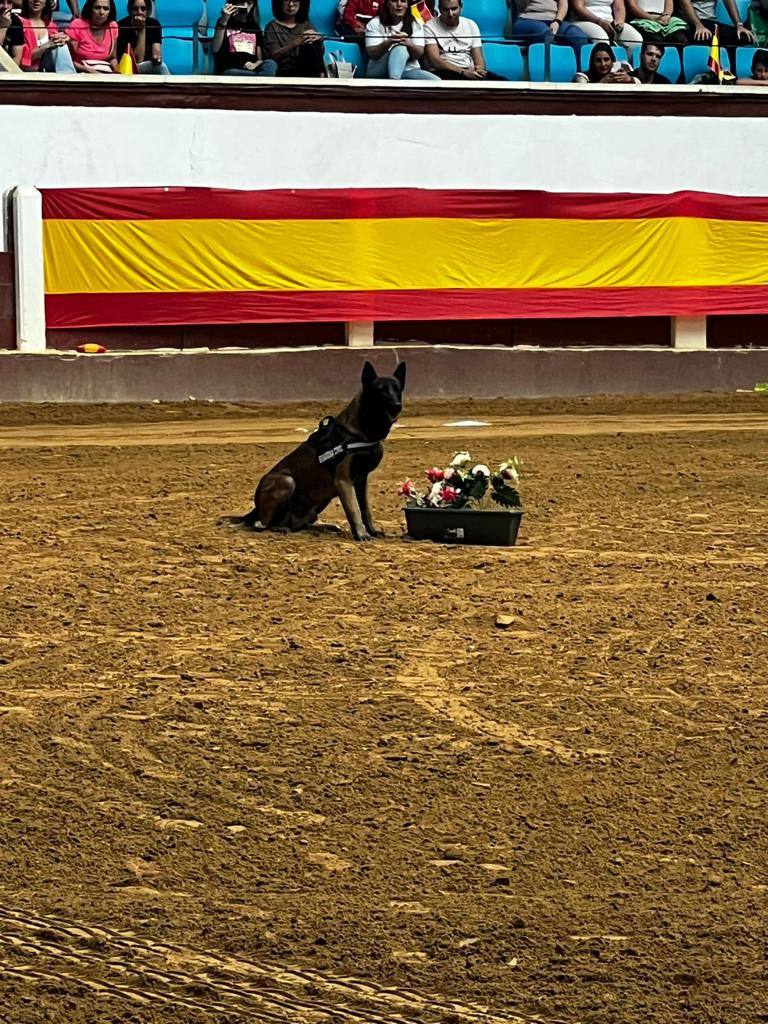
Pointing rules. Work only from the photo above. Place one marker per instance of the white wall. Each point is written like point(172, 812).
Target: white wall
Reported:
point(79, 146)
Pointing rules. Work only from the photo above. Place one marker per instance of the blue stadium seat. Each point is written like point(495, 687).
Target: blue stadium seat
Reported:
point(744, 56)
point(619, 52)
point(322, 14)
point(505, 59)
point(670, 65)
point(350, 52)
point(695, 61)
point(178, 53)
point(562, 63)
point(721, 12)
point(178, 16)
point(490, 15)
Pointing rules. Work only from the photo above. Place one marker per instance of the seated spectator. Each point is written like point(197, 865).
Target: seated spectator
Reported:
point(535, 18)
point(238, 42)
point(453, 47)
point(394, 42)
point(603, 67)
point(94, 38)
point(144, 35)
point(656, 23)
point(758, 21)
point(700, 18)
point(45, 48)
point(759, 70)
point(647, 73)
point(355, 16)
point(606, 20)
point(11, 32)
point(293, 42)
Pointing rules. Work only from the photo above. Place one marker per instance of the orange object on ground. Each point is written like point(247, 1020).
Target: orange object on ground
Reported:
point(91, 346)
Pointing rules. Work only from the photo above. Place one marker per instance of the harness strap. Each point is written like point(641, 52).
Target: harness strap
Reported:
point(332, 442)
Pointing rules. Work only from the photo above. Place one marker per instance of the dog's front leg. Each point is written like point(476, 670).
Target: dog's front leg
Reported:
point(361, 490)
point(348, 498)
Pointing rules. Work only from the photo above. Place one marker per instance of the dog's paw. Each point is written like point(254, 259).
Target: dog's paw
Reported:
point(362, 536)
point(376, 532)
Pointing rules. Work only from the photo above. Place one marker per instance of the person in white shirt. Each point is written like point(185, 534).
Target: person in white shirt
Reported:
point(454, 48)
point(394, 43)
point(606, 20)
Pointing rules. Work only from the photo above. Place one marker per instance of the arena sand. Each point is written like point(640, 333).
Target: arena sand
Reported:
point(262, 778)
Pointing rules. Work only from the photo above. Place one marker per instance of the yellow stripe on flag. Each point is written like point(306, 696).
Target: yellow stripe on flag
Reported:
point(401, 253)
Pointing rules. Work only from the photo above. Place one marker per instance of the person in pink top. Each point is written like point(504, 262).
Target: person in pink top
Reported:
point(45, 48)
point(93, 38)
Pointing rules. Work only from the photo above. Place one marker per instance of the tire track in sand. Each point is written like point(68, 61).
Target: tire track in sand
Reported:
point(43, 948)
point(424, 685)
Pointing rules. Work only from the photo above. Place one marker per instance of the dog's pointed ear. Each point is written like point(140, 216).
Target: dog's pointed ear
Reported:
point(399, 374)
point(369, 375)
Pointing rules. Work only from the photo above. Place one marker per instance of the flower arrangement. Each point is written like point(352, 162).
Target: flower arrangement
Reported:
point(458, 486)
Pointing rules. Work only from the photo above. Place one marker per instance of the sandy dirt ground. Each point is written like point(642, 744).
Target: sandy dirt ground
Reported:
point(294, 779)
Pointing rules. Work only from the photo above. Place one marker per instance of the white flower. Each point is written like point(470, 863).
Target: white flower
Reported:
point(434, 495)
point(461, 459)
point(508, 470)
point(481, 470)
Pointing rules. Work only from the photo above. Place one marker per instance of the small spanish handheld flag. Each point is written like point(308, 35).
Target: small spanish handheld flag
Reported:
point(127, 63)
point(713, 61)
point(421, 12)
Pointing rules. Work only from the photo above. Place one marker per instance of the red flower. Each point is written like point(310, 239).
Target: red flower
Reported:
point(435, 474)
point(450, 494)
point(406, 489)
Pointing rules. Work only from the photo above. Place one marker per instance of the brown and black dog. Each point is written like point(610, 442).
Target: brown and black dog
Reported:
point(335, 461)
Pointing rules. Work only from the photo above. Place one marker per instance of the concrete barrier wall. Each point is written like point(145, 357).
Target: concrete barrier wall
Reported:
point(325, 374)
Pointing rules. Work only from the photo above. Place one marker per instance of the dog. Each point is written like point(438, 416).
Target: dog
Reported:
point(335, 461)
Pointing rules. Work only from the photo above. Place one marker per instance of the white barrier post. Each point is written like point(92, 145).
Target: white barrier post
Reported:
point(30, 280)
point(359, 333)
point(689, 333)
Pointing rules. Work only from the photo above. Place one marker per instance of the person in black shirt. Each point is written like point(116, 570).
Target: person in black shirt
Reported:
point(144, 35)
point(238, 40)
point(11, 32)
point(650, 58)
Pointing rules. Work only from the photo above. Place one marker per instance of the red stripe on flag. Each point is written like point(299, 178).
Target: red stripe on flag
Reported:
point(153, 308)
point(340, 204)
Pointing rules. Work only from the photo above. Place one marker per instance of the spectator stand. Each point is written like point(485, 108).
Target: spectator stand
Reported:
point(188, 31)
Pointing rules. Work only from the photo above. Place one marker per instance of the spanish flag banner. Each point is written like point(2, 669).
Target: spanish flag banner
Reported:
point(127, 63)
point(714, 61)
point(421, 13)
point(124, 257)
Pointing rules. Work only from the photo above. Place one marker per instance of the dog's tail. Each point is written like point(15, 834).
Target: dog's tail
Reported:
point(250, 521)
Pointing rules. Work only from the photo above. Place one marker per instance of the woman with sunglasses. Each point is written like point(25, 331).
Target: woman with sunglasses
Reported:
point(144, 35)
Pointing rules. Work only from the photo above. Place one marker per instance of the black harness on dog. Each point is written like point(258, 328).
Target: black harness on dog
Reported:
point(332, 442)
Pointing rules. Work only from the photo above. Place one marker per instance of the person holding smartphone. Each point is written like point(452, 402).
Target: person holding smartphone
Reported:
point(238, 42)
point(144, 35)
point(603, 67)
